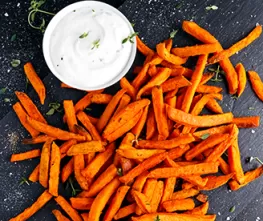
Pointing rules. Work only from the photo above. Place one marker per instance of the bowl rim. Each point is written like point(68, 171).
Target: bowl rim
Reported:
point(52, 25)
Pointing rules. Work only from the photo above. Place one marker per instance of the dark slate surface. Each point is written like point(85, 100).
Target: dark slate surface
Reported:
point(154, 19)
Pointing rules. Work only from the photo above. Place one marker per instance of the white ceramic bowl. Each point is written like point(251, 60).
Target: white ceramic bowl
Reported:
point(48, 37)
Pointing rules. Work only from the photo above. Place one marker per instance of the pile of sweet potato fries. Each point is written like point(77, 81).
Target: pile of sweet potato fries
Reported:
point(163, 138)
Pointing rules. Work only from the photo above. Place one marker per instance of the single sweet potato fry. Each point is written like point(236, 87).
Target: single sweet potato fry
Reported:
point(183, 194)
point(198, 169)
point(199, 210)
point(145, 165)
point(125, 84)
point(206, 77)
point(168, 189)
point(214, 130)
point(79, 165)
point(83, 132)
point(34, 176)
point(70, 115)
point(102, 198)
point(143, 48)
point(125, 100)
point(107, 176)
point(85, 216)
point(54, 170)
point(246, 122)
point(196, 50)
point(142, 77)
point(138, 154)
point(125, 211)
point(22, 116)
point(175, 83)
point(101, 98)
point(142, 201)
point(35, 81)
point(178, 205)
point(67, 170)
point(85, 148)
point(26, 155)
point(152, 71)
point(59, 216)
point(93, 168)
point(157, 196)
point(216, 181)
point(242, 78)
point(178, 151)
point(253, 35)
point(81, 203)
point(181, 117)
point(166, 144)
point(208, 89)
point(37, 205)
point(213, 106)
point(140, 181)
point(30, 107)
point(116, 203)
point(44, 163)
point(36, 140)
point(223, 165)
point(256, 84)
point(137, 129)
point(73, 214)
point(151, 126)
point(53, 131)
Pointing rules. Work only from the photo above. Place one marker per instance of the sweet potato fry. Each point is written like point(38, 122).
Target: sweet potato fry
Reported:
point(168, 189)
point(125, 115)
point(253, 35)
point(195, 80)
point(101, 98)
point(125, 211)
point(145, 165)
point(140, 181)
point(34, 176)
point(196, 50)
point(181, 117)
point(107, 176)
point(199, 210)
point(93, 168)
point(36, 140)
point(83, 132)
point(208, 89)
point(67, 170)
point(70, 115)
point(206, 78)
point(141, 78)
point(79, 165)
point(178, 205)
point(102, 198)
point(81, 203)
point(143, 48)
point(125, 84)
point(138, 154)
point(166, 144)
point(30, 107)
point(242, 78)
point(123, 128)
point(178, 151)
point(214, 130)
point(216, 181)
point(202, 198)
point(151, 126)
point(93, 120)
point(22, 116)
point(157, 80)
point(26, 155)
point(204, 36)
point(246, 122)
point(59, 216)
point(157, 196)
point(165, 54)
point(174, 217)
point(183, 194)
point(137, 129)
point(198, 169)
point(37, 205)
point(224, 167)
point(85, 148)
point(208, 143)
point(44, 163)
point(256, 84)
point(35, 81)
point(85, 216)
point(53, 131)
point(142, 201)
point(116, 203)
point(175, 83)
point(73, 214)
point(213, 106)
point(54, 170)
point(152, 71)
point(125, 100)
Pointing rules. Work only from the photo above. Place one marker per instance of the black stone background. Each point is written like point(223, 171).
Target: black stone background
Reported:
point(154, 20)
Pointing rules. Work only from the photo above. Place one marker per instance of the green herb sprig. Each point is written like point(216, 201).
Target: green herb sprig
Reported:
point(96, 44)
point(157, 218)
point(130, 38)
point(33, 10)
point(217, 71)
point(24, 181)
point(15, 63)
point(205, 136)
point(251, 159)
point(84, 35)
point(70, 184)
point(54, 107)
point(3, 90)
point(211, 7)
point(232, 209)
point(173, 33)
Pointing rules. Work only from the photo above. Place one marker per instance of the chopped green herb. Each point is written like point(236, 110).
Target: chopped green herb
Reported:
point(27, 83)
point(6, 100)
point(96, 44)
point(217, 72)
point(13, 38)
point(84, 35)
point(15, 63)
point(234, 97)
point(119, 172)
point(93, 10)
point(232, 209)
point(50, 112)
point(251, 108)
point(250, 159)
point(211, 7)
point(3, 90)
point(24, 180)
point(173, 33)
point(157, 218)
point(88, 109)
point(53, 108)
point(132, 24)
point(179, 5)
point(71, 185)
point(205, 136)
point(130, 38)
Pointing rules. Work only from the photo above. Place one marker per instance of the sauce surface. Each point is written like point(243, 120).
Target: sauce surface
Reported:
point(86, 46)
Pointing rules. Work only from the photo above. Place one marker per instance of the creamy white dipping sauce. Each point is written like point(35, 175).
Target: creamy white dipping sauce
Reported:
point(86, 46)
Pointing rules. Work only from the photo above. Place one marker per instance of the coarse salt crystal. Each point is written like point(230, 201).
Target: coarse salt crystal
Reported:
point(253, 131)
point(6, 14)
